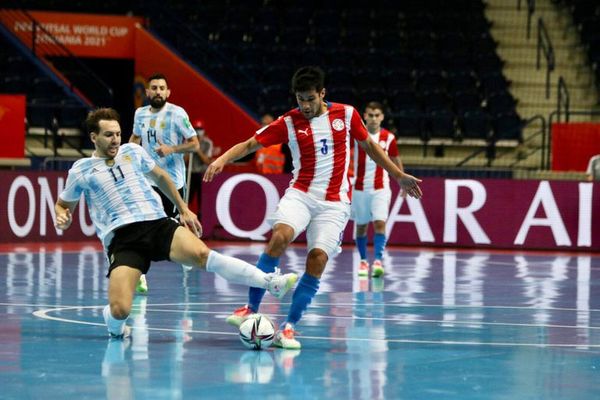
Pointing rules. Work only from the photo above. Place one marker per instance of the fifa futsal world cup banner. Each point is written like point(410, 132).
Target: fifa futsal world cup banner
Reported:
point(487, 213)
point(85, 35)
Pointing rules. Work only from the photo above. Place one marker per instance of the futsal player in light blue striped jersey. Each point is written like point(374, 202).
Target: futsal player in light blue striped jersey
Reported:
point(164, 130)
point(132, 225)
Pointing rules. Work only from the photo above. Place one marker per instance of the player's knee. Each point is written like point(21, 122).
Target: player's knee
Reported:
point(119, 309)
point(361, 230)
point(201, 255)
point(316, 261)
point(379, 226)
point(279, 240)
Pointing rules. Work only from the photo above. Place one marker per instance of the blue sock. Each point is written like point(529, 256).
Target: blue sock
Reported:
point(379, 244)
point(303, 295)
point(267, 264)
point(361, 245)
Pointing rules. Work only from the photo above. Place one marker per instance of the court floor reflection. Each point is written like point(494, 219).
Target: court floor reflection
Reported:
point(450, 323)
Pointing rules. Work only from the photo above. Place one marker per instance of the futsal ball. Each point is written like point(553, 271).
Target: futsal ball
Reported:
point(257, 332)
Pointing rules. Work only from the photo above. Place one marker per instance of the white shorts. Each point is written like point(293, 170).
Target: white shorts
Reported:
point(371, 206)
point(324, 221)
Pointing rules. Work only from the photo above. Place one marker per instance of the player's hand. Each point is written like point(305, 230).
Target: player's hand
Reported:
point(190, 221)
point(410, 186)
point(214, 168)
point(64, 219)
point(163, 150)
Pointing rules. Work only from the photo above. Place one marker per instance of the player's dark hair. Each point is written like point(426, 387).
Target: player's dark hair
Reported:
point(94, 117)
point(308, 78)
point(158, 75)
point(375, 105)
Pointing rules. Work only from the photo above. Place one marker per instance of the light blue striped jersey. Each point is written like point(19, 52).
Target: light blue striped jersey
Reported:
point(170, 126)
point(117, 194)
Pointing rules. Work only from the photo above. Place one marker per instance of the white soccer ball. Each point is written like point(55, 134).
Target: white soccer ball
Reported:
point(257, 332)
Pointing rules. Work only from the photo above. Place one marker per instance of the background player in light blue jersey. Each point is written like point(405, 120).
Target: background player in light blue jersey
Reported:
point(164, 131)
point(132, 224)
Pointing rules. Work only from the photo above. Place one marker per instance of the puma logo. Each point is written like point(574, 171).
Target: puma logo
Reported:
point(303, 131)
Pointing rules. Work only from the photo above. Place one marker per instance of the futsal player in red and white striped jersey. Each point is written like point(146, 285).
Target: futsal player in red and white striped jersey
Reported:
point(318, 134)
point(372, 194)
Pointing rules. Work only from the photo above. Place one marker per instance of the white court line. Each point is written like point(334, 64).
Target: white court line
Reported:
point(391, 319)
point(44, 315)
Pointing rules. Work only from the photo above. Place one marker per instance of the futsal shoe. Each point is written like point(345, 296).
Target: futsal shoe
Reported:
point(239, 315)
point(284, 338)
point(126, 333)
point(142, 285)
point(279, 284)
point(363, 268)
point(377, 269)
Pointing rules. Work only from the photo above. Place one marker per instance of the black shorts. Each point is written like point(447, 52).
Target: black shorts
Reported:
point(135, 245)
point(168, 205)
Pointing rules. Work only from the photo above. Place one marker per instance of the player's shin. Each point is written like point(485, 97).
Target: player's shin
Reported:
point(303, 295)
point(266, 264)
point(235, 270)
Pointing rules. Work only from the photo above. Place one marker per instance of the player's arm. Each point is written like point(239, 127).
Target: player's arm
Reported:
point(64, 213)
point(408, 183)
point(236, 152)
point(204, 157)
point(166, 185)
point(398, 162)
point(189, 146)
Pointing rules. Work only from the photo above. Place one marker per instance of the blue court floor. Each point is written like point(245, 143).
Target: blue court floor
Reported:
point(441, 324)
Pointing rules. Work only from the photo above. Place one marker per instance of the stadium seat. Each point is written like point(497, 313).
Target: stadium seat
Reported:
point(475, 125)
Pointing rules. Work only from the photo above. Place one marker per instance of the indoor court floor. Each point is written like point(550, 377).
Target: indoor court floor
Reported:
point(441, 324)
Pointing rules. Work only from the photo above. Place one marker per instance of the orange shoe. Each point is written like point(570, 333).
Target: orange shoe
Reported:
point(363, 268)
point(285, 338)
point(239, 316)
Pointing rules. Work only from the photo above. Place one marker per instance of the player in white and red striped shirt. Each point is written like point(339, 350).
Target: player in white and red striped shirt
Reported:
point(372, 194)
point(318, 134)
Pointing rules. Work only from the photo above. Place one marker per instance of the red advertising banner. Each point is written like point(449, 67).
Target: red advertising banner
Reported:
point(12, 121)
point(486, 213)
point(453, 212)
point(85, 35)
point(27, 209)
point(573, 144)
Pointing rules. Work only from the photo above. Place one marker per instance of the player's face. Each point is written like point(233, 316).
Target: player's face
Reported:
point(158, 93)
point(373, 117)
point(108, 140)
point(311, 102)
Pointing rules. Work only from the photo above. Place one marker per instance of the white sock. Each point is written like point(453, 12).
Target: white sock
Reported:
point(236, 270)
point(115, 326)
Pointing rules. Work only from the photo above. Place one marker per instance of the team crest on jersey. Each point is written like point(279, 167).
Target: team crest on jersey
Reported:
point(163, 125)
point(152, 123)
point(337, 124)
point(127, 158)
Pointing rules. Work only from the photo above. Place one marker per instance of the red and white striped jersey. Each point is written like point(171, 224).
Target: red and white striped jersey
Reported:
point(320, 148)
point(370, 176)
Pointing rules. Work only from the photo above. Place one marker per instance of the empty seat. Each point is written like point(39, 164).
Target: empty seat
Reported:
point(508, 126)
point(408, 123)
point(441, 124)
point(475, 125)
